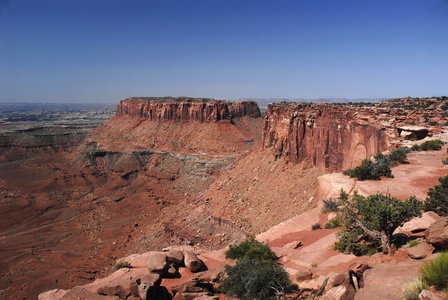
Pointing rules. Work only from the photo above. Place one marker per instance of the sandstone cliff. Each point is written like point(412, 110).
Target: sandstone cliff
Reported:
point(186, 109)
point(332, 137)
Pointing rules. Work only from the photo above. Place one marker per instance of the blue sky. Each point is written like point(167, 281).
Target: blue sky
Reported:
point(108, 50)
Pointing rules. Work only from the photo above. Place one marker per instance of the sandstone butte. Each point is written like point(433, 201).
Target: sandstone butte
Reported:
point(203, 172)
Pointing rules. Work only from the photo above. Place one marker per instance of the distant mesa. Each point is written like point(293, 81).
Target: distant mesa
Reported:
point(186, 109)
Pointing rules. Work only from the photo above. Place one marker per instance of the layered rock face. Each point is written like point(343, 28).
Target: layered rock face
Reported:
point(332, 137)
point(186, 109)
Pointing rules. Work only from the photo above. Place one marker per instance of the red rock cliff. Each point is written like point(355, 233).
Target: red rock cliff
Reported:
point(186, 109)
point(332, 137)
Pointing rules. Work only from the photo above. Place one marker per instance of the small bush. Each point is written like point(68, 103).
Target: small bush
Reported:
point(347, 172)
point(398, 155)
point(437, 200)
point(251, 248)
point(411, 290)
point(433, 123)
point(445, 161)
point(315, 226)
point(314, 264)
point(329, 205)
point(331, 224)
point(435, 273)
point(256, 279)
point(121, 264)
point(432, 145)
point(412, 243)
point(415, 147)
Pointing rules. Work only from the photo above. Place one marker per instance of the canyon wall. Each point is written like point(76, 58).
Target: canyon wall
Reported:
point(332, 137)
point(186, 109)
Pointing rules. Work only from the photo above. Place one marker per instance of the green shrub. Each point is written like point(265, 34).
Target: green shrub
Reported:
point(437, 200)
point(411, 290)
point(256, 279)
point(314, 264)
point(435, 273)
point(331, 224)
point(398, 155)
point(445, 161)
point(315, 226)
point(121, 264)
point(433, 123)
point(415, 147)
point(329, 205)
point(251, 248)
point(368, 222)
point(412, 243)
point(432, 145)
point(347, 172)
point(373, 170)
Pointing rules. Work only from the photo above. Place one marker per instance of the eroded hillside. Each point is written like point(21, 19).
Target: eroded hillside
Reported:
point(172, 171)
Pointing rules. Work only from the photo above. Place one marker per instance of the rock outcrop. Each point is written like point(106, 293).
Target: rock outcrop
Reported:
point(186, 109)
point(332, 137)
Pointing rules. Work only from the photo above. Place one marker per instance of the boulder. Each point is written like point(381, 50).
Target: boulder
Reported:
point(337, 280)
point(158, 263)
point(293, 245)
point(437, 233)
point(429, 295)
point(192, 262)
point(420, 251)
point(417, 226)
point(138, 260)
point(176, 257)
point(214, 275)
point(122, 287)
point(172, 271)
point(304, 274)
point(52, 294)
point(81, 293)
point(356, 271)
point(340, 290)
point(147, 283)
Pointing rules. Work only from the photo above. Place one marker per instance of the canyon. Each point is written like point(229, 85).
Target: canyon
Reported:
point(175, 171)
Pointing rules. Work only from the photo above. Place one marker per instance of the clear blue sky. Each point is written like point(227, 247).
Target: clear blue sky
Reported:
point(108, 50)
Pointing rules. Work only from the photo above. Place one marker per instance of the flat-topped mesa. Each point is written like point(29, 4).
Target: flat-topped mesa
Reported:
point(332, 137)
point(186, 109)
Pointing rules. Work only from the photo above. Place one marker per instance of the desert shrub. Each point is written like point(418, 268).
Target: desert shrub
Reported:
point(329, 205)
point(314, 264)
point(256, 279)
point(398, 155)
point(315, 226)
point(406, 149)
point(435, 273)
point(251, 248)
point(347, 172)
point(411, 290)
point(445, 161)
point(374, 170)
point(415, 147)
point(368, 222)
point(348, 242)
point(412, 243)
point(437, 200)
point(433, 123)
point(331, 224)
point(121, 264)
point(365, 171)
point(432, 145)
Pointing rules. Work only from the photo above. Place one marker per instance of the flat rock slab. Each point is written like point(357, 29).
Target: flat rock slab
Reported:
point(384, 281)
